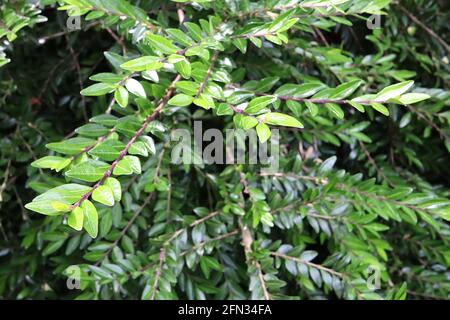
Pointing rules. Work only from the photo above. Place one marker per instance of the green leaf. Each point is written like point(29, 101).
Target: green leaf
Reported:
point(116, 188)
point(410, 98)
point(181, 100)
point(135, 87)
point(180, 36)
point(68, 194)
point(259, 103)
point(299, 91)
point(89, 171)
point(280, 119)
point(184, 68)
point(346, 89)
point(128, 165)
point(224, 109)
point(335, 109)
point(90, 215)
point(357, 106)
point(108, 150)
point(241, 44)
point(98, 89)
point(204, 101)
point(380, 108)
point(121, 96)
point(75, 219)
point(394, 91)
point(106, 77)
point(263, 132)
point(51, 162)
point(145, 63)
point(92, 130)
point(71, 146)
point(209, 263)
point(312, 107)
point(162, 44)
point(248, 122)
point(104, 195)
point(188, 87)
point(149, 143)
point(138, 148)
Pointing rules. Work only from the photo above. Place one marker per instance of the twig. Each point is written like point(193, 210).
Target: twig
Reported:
point(423, 26)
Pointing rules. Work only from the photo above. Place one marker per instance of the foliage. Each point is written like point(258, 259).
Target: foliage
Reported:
point(358, 208)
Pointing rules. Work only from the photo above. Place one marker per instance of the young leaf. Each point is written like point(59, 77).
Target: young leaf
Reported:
point(263, 132)
point(181, 100)
point(90, 218)
point(280, 119)
point(146, 63)
point(394, 91)
point(75, 219)
point(121, 96)
point(89, 171)
point(104, 195)
point(115, 187)
point(259, 103)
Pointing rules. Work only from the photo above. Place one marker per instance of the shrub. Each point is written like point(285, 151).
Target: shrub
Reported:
point(106, 196)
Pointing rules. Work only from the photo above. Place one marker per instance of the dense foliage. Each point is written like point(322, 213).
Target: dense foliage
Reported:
point(93, 205)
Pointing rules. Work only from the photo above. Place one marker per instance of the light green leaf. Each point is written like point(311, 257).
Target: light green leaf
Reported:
point(184, 68)
point(76, 218)
point(280, 119)
point(90, 217)
point(104, 195)
point(52, 162)
point(248, 122)
point(263, 132)
point(116, 188)
point(128, 165)
point(346, 89)
point(394, 91)
point(181, 100)
point(145, 63)
point(121, 96)
point(162, 44)
point(135, 87)
point(89, 171)
point(410, 98)
point(259, 103)
point(380, 108)
point(335, 109)
point(98, 89)
point(71, 146)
